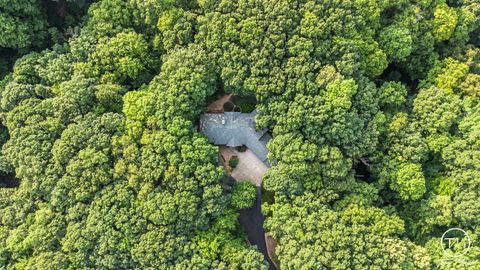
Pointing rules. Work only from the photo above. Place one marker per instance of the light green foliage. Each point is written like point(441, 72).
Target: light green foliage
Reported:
point(330, 116)
point(184, 83)
point(471, 85)
point(429, 215)
point(409, 181)
point(82, 152)
point(243, 195)
point(219, 242)
point(312, 68)
point(404, 140)
point(444, 22)
point(24, 69)
point(138, 105)
point(109, 97)
point(438, 256)
point(13, 94)
point(436, 110)
point(396, 41)
point(312, 235)
point(124, 58)
point(47, 68)
point(303, 37)
point(392, 94)
point(176, 28)
point(112, 17)
point(451, 75)
point(113, 178)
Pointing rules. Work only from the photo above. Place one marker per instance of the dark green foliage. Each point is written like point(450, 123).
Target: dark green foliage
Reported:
point(228, 106)
point(184, 83)
point(27, 25)
point(353, 237)
point(248, 107)
point(233, 162)
point(22, 23)
point(245, 103)
point(123, 59)
point(242, 148)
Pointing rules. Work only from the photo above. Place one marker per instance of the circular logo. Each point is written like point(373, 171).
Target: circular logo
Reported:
point(455, 242)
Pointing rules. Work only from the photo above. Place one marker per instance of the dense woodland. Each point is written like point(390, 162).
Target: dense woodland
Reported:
point(374, 108)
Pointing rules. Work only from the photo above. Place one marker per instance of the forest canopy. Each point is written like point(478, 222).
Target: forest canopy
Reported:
point(373, 106)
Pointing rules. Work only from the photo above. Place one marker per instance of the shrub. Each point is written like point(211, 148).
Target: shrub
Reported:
point(233, 162)
point(228, 106)
point(243, 195)
point(248, 107)
point(241, 148)
point(246, 103)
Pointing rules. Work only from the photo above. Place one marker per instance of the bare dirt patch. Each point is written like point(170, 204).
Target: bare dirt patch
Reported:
point(217, 105)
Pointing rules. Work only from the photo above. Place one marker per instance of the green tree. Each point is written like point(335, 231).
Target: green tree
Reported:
point(124, 58)
point(185, 82)
point(409, 181)
point(373, 107)
point(396, 41)
point(243, 195)
point(22, 24)
point(310, 235)
point(444, 22)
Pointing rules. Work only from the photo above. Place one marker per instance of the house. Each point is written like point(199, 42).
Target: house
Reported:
point(236, 129)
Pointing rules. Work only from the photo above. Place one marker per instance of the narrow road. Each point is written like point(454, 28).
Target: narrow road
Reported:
point(252, 221)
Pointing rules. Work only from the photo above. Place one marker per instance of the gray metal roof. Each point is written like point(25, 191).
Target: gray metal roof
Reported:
point(236, 129)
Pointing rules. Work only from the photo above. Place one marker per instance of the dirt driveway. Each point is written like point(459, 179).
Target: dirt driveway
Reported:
point(217, 105)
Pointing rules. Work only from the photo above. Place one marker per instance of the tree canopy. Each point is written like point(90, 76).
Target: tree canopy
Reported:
point(373, 106)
